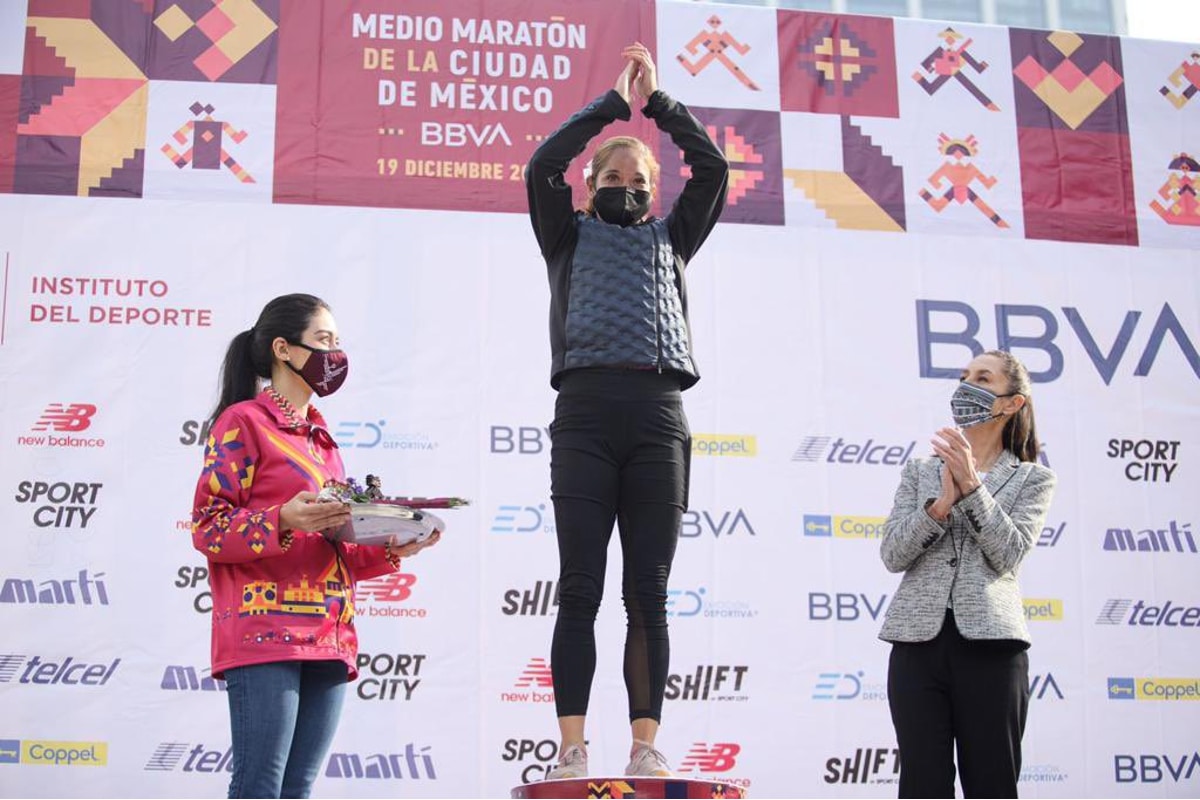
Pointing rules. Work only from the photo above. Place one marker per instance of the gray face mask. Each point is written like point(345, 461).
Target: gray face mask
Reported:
point(972, 405)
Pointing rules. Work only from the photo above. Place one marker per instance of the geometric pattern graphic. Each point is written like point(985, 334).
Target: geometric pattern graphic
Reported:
point(837, 64)
point(864, 192)
point(715, 42)
point(83, 107)
point(10, 102)
point(960, 173)
point(214, 40)
point(201, 141)
point(750, 141)
point(1073, 137)
point(1179, 193)
point(949, 61)
point(1183, 84)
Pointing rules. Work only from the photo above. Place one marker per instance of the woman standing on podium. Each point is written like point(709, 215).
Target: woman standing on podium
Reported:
point(962, 522)
point(622, 354)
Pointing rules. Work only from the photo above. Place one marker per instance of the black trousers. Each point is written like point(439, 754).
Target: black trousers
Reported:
point(953, 694)
point(620, 452)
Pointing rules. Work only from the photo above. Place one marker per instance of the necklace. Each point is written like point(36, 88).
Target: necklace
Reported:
point(285, 406)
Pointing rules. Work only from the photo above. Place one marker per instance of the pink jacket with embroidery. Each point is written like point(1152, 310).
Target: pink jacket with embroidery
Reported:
point(271, 603)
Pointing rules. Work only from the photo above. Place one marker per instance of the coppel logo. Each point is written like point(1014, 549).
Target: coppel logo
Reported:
point(53, 753)
point(1153, 689)
point(1043, 609)
point(843, 527)
point(724, 444)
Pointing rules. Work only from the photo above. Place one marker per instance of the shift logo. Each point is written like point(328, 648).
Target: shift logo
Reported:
point(1041, 609)
point(388, 596)
point(194, 432)
point(388, 676)
point(1050, 535)
point(79, 591)
point(1174, 538)
point(64, 418)
point(697, 524)
point(961, 327)
point(1154, 767)
point(59, 672)
point(723, 682)
point(1154, 689)
point(695, 603)
point(520, 440)
point(365, 434)
point(540, 601)
point(187, 678)
point(1124, 611)
point(415, 763)
point(523, 519)
point(876, 765)
point(54, 754)
point(840, 451)
point(847, 686)
point(710, 758)
point(60, 504)
point(1043, 686)
point(194, 580)
point(185, 757)
point(843, 527)
point(536, 675)
point(844, 607)
point(1146, 460)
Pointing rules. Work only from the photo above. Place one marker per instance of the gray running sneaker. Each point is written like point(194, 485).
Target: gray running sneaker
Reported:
point(646, 762)
point(571, 764)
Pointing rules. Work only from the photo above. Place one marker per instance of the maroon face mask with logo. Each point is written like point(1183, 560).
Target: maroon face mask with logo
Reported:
point(325, 371)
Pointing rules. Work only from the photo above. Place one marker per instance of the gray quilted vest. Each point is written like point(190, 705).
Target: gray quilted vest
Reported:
point(623, 305)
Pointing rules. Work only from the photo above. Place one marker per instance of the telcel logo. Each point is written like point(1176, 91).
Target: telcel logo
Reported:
point(843, 527)
point(1043, 610)
point(1153, 689)
point(68, 671)
point(722, 444)
point(842, 452)
point(56, 754)
point(1144, 614)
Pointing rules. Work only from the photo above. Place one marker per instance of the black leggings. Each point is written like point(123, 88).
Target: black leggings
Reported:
point(621, 451)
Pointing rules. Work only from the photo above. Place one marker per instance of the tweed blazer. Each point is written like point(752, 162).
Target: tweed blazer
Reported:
point(972, 559)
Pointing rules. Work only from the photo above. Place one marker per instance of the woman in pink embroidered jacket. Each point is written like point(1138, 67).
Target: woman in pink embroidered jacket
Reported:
point(283, 633)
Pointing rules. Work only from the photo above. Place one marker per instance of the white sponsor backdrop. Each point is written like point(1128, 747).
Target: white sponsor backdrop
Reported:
point(810, 343)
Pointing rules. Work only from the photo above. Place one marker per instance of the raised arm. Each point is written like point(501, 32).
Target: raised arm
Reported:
point(702, 200)
point(551, 209)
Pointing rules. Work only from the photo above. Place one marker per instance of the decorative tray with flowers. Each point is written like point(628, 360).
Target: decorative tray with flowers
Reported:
point(378, 519)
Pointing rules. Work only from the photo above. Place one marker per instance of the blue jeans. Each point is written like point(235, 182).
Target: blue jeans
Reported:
point(283, 716)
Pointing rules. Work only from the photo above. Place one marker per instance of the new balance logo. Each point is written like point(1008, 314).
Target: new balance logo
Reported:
point(62, 418)
point(536, 674)
point(719, 757)
point(394, 587)
point(1113, 612)
point(811, 448)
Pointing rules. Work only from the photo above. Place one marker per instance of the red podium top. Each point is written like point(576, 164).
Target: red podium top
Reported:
point(599, 787)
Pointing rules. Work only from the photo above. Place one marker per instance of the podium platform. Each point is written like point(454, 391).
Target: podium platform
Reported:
point(602, 788)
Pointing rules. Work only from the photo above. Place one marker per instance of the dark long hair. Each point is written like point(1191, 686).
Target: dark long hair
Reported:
point(249, 355)
point(1020, 431)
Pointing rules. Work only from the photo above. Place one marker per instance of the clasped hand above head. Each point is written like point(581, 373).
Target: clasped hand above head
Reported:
point(638, 77)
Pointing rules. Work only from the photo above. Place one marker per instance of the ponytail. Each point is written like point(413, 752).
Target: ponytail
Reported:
point(249, 357)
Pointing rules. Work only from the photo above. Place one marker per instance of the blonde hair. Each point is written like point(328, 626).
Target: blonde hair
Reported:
point(605, 151)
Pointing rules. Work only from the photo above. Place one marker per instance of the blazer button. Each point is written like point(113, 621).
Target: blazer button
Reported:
point(953, 562)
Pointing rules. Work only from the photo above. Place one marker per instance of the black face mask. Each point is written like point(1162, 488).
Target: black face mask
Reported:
point(617, 205)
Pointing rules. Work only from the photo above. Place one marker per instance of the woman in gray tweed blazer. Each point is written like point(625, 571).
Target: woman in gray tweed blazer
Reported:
point(962, 521)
